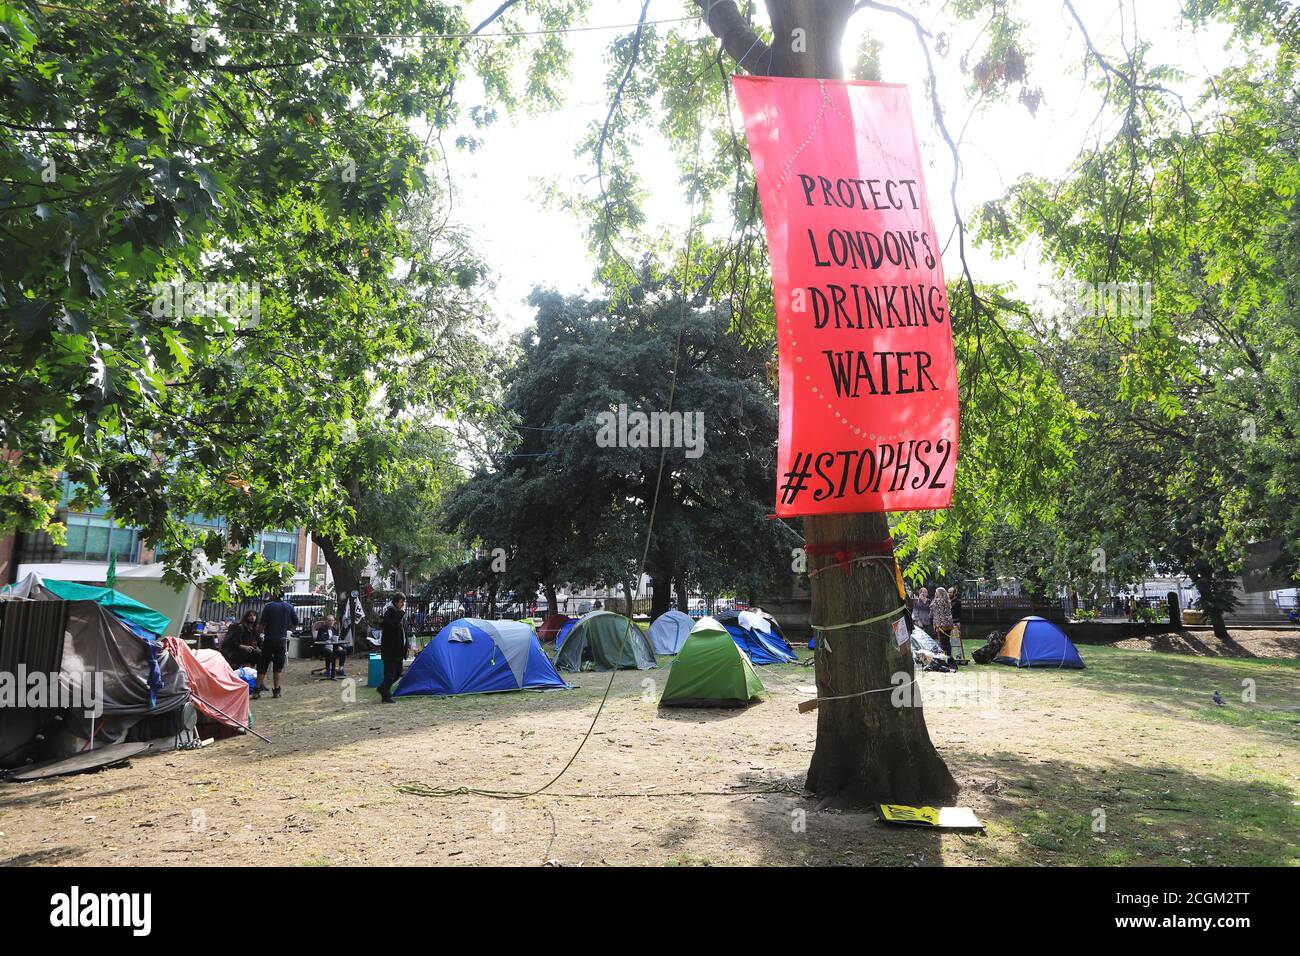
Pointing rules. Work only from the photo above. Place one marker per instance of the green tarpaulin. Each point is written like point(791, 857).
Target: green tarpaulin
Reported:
point(126, 608)
point(711, 671)
point(603, 641)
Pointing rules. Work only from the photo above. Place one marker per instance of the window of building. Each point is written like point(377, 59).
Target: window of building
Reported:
point(279, 546)
point(94, 538)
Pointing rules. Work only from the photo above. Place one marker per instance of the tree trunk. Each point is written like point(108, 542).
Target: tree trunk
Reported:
point(628, 593)
point(347, 578)
point(1209, 587)
point(868, 750)
point(660, 595)
point(552, 602)
point(683, 598)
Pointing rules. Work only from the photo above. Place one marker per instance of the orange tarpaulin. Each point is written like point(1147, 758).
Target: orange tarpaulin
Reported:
point(868, 377)
point(212, 683)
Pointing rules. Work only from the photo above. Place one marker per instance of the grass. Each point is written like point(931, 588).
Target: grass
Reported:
point(1128, 762)
point(1159, 774)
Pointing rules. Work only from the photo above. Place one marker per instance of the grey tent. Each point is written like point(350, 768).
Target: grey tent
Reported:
point(71, 673)
point(669, 632)
point(603, 641)
point(925, 649)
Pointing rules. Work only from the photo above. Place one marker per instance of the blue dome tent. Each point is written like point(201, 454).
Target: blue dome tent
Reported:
point(763, 646)
point(1037, 642)
point(473, 656)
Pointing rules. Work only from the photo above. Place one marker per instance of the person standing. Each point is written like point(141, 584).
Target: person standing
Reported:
point(941, 616)
point(241, 647)
point(392, 645)
point(921, 610)
point(278, 618)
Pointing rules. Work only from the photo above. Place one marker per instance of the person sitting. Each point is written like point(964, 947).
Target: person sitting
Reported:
point(334, 646)
point(242, 646)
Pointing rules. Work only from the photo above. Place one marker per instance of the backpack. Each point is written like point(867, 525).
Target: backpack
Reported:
point(991, 648)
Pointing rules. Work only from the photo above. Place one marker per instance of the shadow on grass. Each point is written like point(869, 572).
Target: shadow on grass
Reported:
point(1181, 686)
point(1259, 694)
point(1043, 813)
point(1125, 813)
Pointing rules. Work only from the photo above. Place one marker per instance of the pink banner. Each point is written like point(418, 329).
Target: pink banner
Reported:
point(868, 376)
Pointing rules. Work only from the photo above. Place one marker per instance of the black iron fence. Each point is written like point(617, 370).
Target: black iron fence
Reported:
point(1007, 609)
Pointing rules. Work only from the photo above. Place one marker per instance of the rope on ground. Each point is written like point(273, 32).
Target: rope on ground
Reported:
point(421, 790)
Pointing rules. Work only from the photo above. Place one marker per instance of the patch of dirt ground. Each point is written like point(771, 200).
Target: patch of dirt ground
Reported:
point(1126, 762)
point(1255, 642)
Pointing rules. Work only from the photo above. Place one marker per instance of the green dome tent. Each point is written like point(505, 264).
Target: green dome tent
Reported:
point(605, 641)
point(711, 671)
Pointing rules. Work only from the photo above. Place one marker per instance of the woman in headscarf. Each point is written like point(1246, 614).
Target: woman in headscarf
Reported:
point(941, 616)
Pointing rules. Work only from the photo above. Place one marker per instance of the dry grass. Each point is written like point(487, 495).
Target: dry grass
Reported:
point(1135, 736)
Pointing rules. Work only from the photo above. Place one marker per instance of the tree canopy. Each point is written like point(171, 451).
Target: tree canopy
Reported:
point(568, 495)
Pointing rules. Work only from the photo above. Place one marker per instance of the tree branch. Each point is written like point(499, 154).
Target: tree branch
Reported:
point(725, 21)
point(493, 16)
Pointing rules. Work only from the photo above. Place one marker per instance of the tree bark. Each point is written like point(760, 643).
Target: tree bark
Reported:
point(347, 578)
point(661, 595)
point(1204, 579)
point(868, 750)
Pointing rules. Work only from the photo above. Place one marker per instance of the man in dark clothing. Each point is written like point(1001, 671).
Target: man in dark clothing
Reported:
point(392, 646)
point(241, 646)
point(278, 618)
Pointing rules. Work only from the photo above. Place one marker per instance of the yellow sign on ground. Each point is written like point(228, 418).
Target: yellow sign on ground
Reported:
point(942, 818)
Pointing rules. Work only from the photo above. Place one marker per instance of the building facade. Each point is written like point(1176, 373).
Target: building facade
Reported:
point(93, 537)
